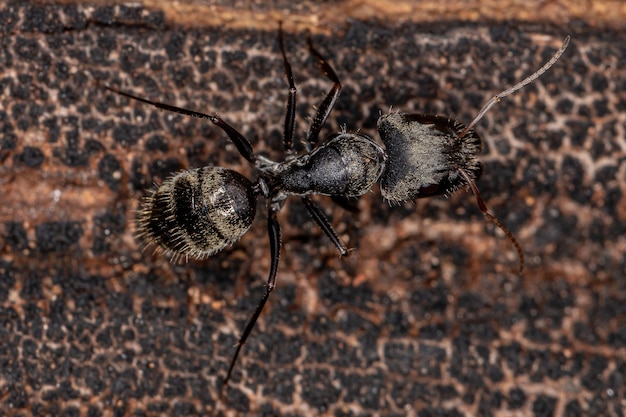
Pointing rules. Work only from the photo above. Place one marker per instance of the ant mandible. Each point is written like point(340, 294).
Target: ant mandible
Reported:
point(201, 211)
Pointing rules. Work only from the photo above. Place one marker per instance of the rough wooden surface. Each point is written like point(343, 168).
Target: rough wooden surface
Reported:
point(321, 16)
point(426, 317)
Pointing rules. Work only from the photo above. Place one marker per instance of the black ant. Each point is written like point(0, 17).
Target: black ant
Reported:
point(199, 212)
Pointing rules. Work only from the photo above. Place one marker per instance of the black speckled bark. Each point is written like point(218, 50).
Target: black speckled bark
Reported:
point(426, 318)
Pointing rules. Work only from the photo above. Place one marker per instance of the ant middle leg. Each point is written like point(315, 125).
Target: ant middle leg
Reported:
point(290, 117)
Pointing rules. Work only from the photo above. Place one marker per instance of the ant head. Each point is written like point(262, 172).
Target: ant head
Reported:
point(424, 154)
point(429, 156)
point(433, 155)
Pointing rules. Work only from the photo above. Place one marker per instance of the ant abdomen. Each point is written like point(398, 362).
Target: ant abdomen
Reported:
point(198, 212)
point(425, 154)
point(346, 165)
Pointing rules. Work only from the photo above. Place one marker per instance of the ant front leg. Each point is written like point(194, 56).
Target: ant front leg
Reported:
point(273, 229)
point(242, 144)
point(324, 224)
point(324, 109)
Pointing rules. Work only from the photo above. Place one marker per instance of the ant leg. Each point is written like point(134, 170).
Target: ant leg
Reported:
point(323, 223)
point(273, 229)
point(483, 207)
point(324, 109)
point(242, 144)
point(290, 117)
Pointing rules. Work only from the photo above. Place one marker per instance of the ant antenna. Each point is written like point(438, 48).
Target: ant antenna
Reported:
point(496, 99)
point(493, 219)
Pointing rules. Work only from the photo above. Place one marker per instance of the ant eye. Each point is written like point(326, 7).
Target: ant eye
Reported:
point(429, 190)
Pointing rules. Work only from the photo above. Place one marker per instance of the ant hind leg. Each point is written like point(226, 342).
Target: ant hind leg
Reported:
point(243, 145)
point(273, 229)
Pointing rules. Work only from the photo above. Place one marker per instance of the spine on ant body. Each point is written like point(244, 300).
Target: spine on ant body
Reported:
point(347, 165)
point(198, 212)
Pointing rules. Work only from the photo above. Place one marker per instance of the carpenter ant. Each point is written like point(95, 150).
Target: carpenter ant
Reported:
point(199, 212)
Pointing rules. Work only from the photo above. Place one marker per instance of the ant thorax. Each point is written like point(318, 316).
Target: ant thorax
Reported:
point(346, 165)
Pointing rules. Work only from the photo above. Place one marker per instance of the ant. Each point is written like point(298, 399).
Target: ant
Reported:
point(201, 211)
